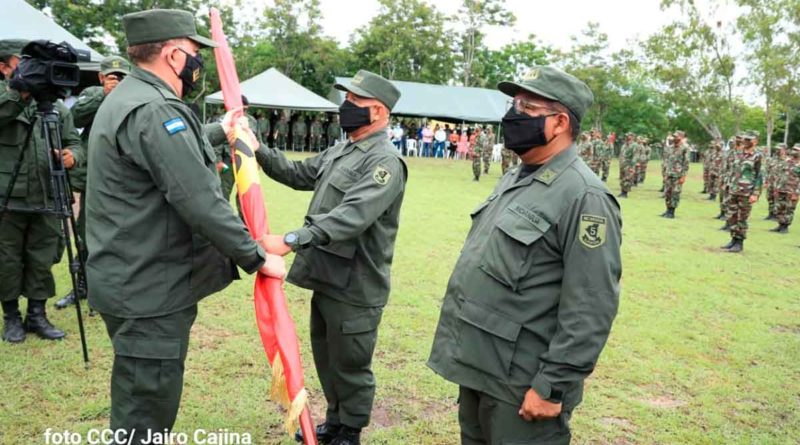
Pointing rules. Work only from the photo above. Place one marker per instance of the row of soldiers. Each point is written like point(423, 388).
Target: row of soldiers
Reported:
point(634, 155)
point(738, 176)
point(596, 152)
point(314, 135)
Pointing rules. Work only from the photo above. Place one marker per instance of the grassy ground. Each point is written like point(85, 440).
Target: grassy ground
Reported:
point(705, 348)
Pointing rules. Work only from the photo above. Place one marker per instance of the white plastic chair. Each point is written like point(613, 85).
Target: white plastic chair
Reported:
point(411, 146)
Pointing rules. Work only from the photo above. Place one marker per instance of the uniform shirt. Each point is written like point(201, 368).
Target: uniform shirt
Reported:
point(532, 296)
point(747, 173)
point(20, 125)
point(678, 161)
point(83, 112)
point(160, 234)
point(352, 221)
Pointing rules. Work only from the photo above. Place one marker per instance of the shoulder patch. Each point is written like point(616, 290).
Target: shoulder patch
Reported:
point(175, 125)
point(592, 230)
point(381, 175)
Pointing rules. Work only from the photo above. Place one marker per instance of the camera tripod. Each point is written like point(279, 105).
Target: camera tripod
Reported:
point(61, 206)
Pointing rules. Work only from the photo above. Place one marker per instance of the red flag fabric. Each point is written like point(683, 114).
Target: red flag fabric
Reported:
point(275, 325)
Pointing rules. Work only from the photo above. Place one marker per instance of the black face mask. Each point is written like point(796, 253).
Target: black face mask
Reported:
point(523, 132)
point(191, 72)
point(352, 117)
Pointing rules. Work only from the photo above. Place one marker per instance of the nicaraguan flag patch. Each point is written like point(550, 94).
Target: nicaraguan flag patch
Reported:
point(175, 125)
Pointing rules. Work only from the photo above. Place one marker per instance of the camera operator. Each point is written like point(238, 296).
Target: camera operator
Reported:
point(112, 70)
point(28, 238)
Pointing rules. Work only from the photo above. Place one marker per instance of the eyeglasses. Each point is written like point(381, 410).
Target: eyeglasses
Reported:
point(527, 107)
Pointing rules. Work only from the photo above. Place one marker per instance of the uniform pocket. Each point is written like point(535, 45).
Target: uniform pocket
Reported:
point(151, 365)
point(332, 263)
point(359, 338)
point(509, 244)
point(486, 341)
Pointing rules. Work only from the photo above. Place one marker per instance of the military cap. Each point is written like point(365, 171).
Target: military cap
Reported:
point(680, 133)
point(750, 135)
point(796, 147)
point(11, 47)
point(115, 64)
point(781, 146)
point(368, 84)
point(158, 25)
point(554, 84)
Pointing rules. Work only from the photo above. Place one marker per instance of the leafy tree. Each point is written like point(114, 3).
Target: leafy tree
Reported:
point(477, 15)
point(511, 61)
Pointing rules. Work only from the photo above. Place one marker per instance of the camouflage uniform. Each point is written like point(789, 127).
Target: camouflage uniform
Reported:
point(509, 160)
point(642, 156)
point(627, 165)
point(486, 149)
point(316, 135)
point(603, 150)
point(677, 168)
point(728, 159)
point(774, 165)
point(666, 149)
point(788, 187)
point(715, 160)
point(707, 169)
point(746, 180)
point(586, 151)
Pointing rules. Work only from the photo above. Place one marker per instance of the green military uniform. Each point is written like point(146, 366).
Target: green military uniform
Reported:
point(677, 169)
point(29, 240)
point(334, 131)
point(160, 234)
point(487, 147)
point(281, 135)
point(728, 158)
point(530, 302)
point(642, 160)
point(627, 165)
point(666, 150)
point(477, 155)
point(603, 150)
point(263, 129)
point(345, 250)
point(316, 134)
point(299, 133)
point(788, 188)
point(508, 159)
point(586, 151)
point(746, 180)
point(715, 161)
point(773, 167)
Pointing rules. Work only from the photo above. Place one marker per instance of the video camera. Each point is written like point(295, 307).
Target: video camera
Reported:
point(48, 70)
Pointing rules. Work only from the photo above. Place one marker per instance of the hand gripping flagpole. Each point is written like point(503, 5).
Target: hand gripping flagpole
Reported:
point(277, 329)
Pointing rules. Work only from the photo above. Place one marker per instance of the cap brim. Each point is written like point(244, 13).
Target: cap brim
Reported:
point(512, 88)
point(203, 41)
point(353, 89)
point(115, 70)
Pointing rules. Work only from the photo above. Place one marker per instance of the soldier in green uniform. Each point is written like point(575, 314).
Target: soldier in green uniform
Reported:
point(585, 150)
point(508, 159)
point(334, 131)
point(477, 152)
point(744, 188)
point(487, 147)
point(627, 164)
point(112, 70)
point(643, 160)
point(316, 134)
point(665, 154)
point(735, 147)
point(606, 149)
point(715, 160)
point(530, 302)
point(281, 135)
point(161, 236)
point(264, 127)
point(299, 133)
point(787, 187)
point(677, 169)
point(777, 158)
point(29, 240)
point(344, 250)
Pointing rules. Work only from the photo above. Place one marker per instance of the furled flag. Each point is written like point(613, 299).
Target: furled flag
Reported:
point(272, 315)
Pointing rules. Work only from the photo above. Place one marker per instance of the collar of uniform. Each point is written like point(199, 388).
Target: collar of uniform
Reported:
point(152, 79)
point(369, 141)
point(550, 171)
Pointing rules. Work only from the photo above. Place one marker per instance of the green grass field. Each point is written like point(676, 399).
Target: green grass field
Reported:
point(705, 349)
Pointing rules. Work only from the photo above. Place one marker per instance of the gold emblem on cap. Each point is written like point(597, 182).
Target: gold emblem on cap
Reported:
point(532, 74)
point(115, 64)
point(358, 79)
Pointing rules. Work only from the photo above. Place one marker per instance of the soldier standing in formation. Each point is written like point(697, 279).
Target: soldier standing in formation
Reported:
point(666, 150)
point(487, 148)
point(744, 187)
point(264, 127)
point(112, 70)
point(642, 158)
point(728, 157)
point(606, 150)
point(715, 160)
point(477, 151)
point(281, 136)
point(316, 134)
point(627, 164)
point(334, 131)
point(677, 169)
point(787, 187)
point(776, 160)
point(299, 133)
point(586, 152)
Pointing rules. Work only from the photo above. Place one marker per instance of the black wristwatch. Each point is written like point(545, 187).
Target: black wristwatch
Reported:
point(291, 239)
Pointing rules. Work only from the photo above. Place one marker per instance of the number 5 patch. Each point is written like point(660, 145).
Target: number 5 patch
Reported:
point(592, 231)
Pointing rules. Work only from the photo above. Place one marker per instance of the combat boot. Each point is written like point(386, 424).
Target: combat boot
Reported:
point(729, 245)
point(782, 228)
point(348, 436)
point(721, 215)
point(705, 190)
point(36, 321)
point(13, 331)
point(623, 195)
point(737, 246)
point(770, 217)
point(670, 213)
point(712, 197)
point(69, 299)
point(325, 432)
